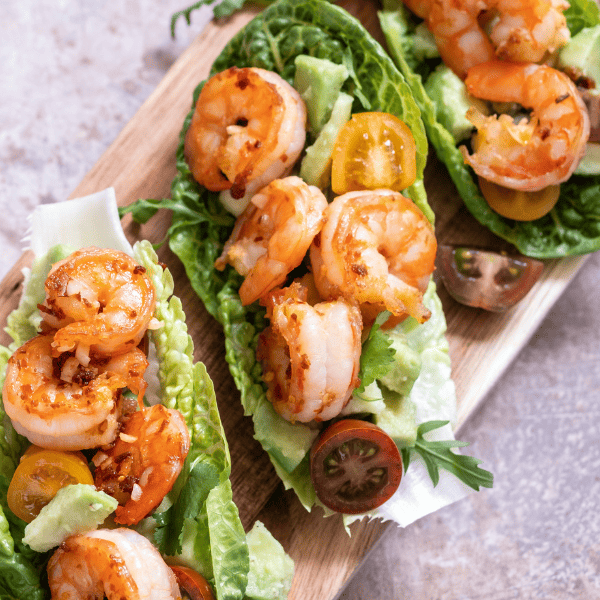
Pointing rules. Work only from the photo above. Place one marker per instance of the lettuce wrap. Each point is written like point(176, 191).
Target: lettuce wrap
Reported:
point(573, 225)
point(197, 524)
point(200, 226)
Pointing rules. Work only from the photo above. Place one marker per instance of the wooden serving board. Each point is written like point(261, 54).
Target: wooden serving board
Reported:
point(141, 164)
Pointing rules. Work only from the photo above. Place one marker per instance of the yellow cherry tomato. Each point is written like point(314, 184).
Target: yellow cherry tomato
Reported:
point(373, 150)
point(516, 204)
point(40, 474)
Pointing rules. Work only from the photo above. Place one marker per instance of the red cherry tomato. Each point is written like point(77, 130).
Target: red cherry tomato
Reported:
point(373, 150)
point(355, 466)
point(192, 583)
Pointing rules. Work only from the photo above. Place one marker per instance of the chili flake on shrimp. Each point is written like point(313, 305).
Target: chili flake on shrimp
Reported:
point(532, 154)
point(113, 564)
point(470, 32)
point(100, 301)
point(142, 464)
point(377, 248)
point(248, 128)
point(271, 237)
point(57, 403)
point(310, 354)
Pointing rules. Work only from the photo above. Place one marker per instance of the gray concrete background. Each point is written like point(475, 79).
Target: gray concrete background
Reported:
point(73, 73)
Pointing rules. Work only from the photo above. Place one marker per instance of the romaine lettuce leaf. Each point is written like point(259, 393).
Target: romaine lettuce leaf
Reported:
point(200, 225)
point(573, 226)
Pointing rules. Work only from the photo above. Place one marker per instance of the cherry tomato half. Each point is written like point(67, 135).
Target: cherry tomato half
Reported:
point(486, 279)
point(355, 466)
point(373, 150)
point(516, 204)
point(192, 583)
point(40, 474)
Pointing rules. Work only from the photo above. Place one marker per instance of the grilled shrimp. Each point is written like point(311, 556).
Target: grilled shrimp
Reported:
point(378, 248)
point(142, 464)
point(57, 403)
point(113, 564)
point(273, 234)
point(519, 30)
point(310, 354)
point(100, 301)
point(535, 153)
point(248, 128)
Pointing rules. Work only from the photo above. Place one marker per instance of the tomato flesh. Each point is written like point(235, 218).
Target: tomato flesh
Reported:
point(373, 151)
point(39, 476)
point(516, 204)
point(486, 279)
point(192, 583)
point(355, 466)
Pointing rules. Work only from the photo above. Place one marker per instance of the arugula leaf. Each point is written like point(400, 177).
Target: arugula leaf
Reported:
point(438, 454)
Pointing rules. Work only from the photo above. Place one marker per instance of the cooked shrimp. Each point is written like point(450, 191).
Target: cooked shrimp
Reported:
point(310, 355)
point(378, 248)
point(101, 301)
point(142, 464)
point(248, 128)
point(59, 404)
point(519, 30)
point(271, 237)
point(110, 563)
point(534, 153)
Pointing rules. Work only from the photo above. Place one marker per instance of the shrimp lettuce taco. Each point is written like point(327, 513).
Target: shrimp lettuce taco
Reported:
point(545, 202)
point(395, 385)
point(184, 501)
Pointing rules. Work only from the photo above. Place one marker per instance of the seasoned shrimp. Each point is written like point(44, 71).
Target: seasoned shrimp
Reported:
point(378, 248)
point(101, 301)
point(273, 234)
point(110, 563)
point(310, 355)
point(519, 30)
point(532, 154)
point(59, 404)
point(142, 464)
point(248, 128)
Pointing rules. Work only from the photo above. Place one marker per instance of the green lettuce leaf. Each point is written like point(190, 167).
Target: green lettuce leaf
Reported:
point(572, 227)
point(200, 225)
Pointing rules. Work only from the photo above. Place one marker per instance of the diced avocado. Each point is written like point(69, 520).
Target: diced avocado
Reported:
point(315, 167)
point(402, 377)
point(319, 82)
point(288, 443)
point(449, 94)
point(590, 163)
point(271, 569)
point(75, 509)
point(424, 46)
point(399, 420)
point(582, 53)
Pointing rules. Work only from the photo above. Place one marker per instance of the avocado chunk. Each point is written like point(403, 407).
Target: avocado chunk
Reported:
point(402, 377)
point(75, 509)
point(449, 95)
point(399, 418)
point(315, 167)
point(582, 53)
point(424, 46)
point(271, 569)
point(590, 163)
point(319, 82)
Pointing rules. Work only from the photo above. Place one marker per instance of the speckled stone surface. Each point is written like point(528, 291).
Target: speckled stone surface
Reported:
point(73, 73)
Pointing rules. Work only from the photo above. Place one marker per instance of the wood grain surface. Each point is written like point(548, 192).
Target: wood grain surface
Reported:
point(141, 164)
